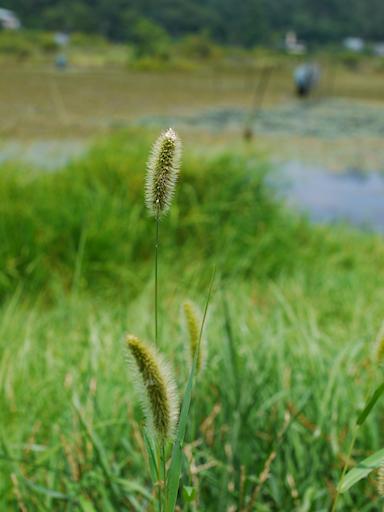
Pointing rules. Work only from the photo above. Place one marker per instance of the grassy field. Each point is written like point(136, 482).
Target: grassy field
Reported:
point(86, 99)
point(290, 336)
point(63, 111)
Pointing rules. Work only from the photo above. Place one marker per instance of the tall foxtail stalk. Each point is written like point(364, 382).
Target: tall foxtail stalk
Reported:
point(162, 173)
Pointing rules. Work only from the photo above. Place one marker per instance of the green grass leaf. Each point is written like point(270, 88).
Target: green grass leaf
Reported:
point(189, 494)
point(134, 487)
point(150, 447)
point(174, 471)
point(361, 471)
point(50, 493)
point(99, 449)
point(370, 405)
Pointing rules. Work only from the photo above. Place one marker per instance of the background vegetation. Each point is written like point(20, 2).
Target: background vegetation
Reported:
point(290, 336)
point(246, 23)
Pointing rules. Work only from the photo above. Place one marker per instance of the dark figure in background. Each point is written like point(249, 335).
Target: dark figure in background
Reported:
point(306, 78)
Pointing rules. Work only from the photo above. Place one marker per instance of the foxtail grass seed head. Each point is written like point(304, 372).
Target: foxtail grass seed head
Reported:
point(162, 173)
point(156, 386)
point(193, 323)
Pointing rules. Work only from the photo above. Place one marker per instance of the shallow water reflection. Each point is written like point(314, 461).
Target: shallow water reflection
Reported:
point(350, 196)
point(46, 155)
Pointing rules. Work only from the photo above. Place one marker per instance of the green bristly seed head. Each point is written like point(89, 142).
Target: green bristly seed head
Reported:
point(156, 386)
point(193, 323)
point(162, 173)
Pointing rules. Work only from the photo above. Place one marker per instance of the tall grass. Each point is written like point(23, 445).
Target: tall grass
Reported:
point(290, 332)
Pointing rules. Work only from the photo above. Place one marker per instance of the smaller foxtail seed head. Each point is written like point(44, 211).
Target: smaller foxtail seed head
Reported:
point(193, 325)
point(156, 386)
point(162, 173)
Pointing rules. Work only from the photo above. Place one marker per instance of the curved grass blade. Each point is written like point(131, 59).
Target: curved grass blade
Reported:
point(177, 450)
point(361, 471)
point(370, 405)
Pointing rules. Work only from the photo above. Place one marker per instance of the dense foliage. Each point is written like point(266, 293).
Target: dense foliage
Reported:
point(228, 21)
point(290, 331)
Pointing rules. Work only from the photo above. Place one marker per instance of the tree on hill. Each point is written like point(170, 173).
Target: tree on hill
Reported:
point(244, 23)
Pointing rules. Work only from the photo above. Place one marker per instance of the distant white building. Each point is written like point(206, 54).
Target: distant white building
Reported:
point(61, 38)
point(293, 45)
point(354, 44)
point(8, 20)
point(378, 49)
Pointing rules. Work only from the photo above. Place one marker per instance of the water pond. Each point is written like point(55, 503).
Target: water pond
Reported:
point(351, 196)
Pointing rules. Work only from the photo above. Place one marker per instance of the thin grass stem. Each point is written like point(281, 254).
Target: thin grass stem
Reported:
point(206, 306)
point(164, 475)
point(157, 280)
point(345, 467)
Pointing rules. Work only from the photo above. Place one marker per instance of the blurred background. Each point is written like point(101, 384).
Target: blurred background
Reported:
point(301, 80)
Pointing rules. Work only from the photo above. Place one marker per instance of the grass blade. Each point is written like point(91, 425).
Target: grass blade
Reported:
point(51, 493)
point(99, 449)
point(149, 445)
point(232, 359)
point(361, 470)
point(370, 405)
point(175, 467)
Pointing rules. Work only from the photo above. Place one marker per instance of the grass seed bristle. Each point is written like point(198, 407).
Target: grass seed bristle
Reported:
point(193, 323)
